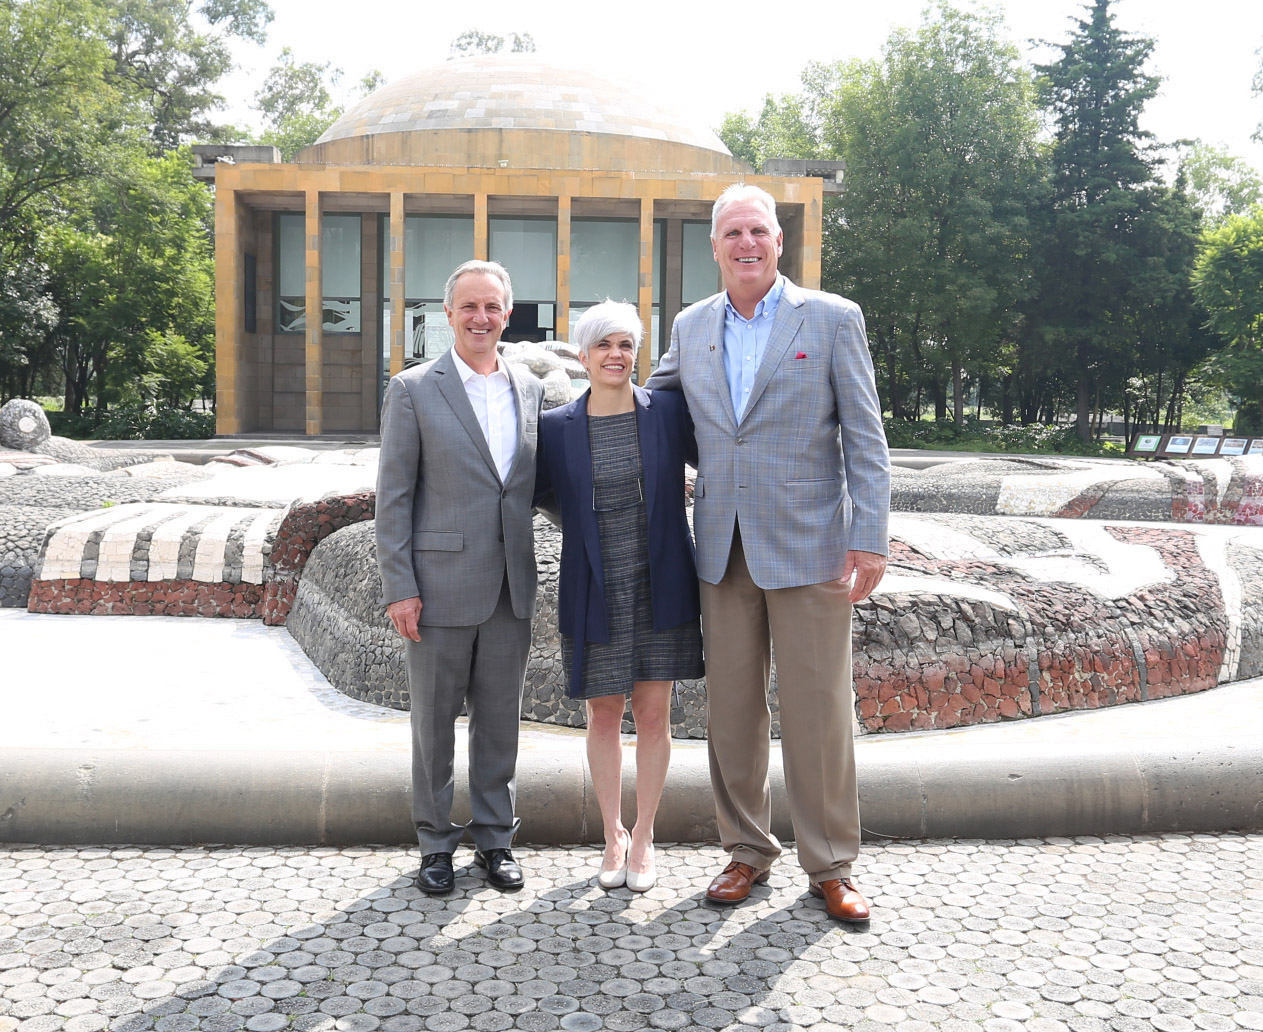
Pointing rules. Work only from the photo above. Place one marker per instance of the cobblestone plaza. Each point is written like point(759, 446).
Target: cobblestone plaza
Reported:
point(1161, 932)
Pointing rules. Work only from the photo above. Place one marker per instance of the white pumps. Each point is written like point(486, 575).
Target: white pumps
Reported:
point(612, 879)
point(642, 881)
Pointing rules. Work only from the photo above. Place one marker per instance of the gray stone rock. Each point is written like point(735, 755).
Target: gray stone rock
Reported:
point(23, 425)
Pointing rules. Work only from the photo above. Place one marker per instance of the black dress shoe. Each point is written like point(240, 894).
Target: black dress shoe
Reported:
point(502, 870)
point(436, 876)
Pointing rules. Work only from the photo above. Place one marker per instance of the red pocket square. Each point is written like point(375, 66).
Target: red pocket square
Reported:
point(801, 354)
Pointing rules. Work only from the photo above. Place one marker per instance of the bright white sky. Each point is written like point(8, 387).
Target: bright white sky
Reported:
point(715, 57)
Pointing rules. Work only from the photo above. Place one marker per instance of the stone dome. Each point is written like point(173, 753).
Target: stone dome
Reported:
point(447, 114)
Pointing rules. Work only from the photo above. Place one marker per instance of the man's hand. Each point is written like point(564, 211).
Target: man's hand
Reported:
point(406, 615)
point(868, 568)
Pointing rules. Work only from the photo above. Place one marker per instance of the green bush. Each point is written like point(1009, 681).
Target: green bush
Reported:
point(1038, 438)
point(70, 424)
point(134, 423)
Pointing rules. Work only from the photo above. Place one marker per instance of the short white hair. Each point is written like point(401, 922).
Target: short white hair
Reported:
point(494, 269)
point(743, 192)
point(609, 317)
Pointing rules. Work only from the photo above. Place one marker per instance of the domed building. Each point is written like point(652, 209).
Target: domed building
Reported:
point(579, 185)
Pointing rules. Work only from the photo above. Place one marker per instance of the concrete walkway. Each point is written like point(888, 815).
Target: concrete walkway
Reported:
point(171, 730)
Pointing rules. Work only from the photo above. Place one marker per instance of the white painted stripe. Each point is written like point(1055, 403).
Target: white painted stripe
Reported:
point(208, 559)
point(252, 558)
point(1023, 494)
point(936, 541)
point(114, 553)
point(63, 555)
point(164, 546)
point(1129, 567)
point(894, 583)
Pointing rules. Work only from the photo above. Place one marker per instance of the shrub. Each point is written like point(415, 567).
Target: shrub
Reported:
point(134, 423)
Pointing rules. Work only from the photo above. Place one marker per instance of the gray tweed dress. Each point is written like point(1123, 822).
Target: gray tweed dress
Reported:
point(635, 651)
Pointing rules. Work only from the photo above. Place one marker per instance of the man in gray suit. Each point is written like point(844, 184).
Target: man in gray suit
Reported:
point(456, 553)
point(790, 511)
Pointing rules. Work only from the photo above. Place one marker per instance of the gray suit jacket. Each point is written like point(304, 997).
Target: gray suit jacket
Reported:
point(447, 528)
point(806, 471)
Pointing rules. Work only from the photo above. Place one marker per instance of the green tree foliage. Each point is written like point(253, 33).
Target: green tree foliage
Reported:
point(1221, 183)
point(784, 129)
point(170, 54)
point(27, 314)
point(105, 247)
point(476, 41)
point(297, 101)
point(939, 143)
point(60, 115)
point(135, 268)
point(1228, 281)
point(1103, 186)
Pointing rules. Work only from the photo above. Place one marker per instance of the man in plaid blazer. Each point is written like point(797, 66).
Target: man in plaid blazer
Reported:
point(790, 514)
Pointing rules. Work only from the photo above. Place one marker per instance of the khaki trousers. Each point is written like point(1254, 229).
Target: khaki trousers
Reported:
point(810, 627)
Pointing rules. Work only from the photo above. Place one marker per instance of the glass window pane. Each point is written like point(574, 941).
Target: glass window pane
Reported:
point(701, 274)
point(291, 262)
point(657, 261)
point(340, 256)
point(433, 246)
point(604, 260)
point(528, 249)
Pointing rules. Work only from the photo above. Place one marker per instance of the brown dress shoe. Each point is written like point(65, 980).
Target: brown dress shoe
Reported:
point(734, 883)
point(842, 900)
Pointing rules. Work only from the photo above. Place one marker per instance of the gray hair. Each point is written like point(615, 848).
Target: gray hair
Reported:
point(491, 269)
point(743, 192)
point(599, 321)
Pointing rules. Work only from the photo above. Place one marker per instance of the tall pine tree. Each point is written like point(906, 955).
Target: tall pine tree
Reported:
point(1103, 187)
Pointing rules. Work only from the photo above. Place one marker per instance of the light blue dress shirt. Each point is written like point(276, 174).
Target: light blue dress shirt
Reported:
point(745, 340)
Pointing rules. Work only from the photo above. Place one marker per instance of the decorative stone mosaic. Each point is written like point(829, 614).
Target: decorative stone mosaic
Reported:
point(1224, 490)
point(340, 622)
point(1016, 588)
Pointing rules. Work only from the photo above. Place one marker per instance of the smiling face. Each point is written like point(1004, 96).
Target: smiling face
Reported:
point(746, 246)
point(611, 360)
point(478, 317)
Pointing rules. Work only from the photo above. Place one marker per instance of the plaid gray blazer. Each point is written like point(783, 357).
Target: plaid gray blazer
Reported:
point(807, 470)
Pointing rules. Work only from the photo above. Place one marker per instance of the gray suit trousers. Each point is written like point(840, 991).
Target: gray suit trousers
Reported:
point(483, 668)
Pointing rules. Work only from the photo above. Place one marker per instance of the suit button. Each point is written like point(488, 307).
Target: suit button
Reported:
point(741, 440)
point(500, 538)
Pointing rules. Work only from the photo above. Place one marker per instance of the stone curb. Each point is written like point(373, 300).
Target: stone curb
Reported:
point(913, 789)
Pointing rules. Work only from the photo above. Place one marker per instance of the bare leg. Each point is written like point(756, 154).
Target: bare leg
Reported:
point(605, 760)
point(651, 709)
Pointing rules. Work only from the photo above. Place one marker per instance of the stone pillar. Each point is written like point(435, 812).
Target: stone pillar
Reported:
point(396, 274)
point(563, 269)
point(481, 230)
point(644, 299)
point(314, 301)
point(673, 277)
point(228, 318)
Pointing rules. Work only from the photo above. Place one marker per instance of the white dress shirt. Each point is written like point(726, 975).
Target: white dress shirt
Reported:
point(494, 405)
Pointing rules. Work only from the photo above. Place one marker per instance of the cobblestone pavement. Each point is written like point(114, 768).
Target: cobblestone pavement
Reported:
point(1162, 932)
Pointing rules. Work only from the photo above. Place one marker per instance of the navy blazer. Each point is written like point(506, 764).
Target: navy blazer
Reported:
point(563, 481)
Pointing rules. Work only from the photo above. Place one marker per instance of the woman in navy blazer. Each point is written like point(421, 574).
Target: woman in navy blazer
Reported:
point(612, 464)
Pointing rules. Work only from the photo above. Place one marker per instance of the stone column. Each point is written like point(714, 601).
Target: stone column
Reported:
point(481, 230)
point(644, 298)
point(314, 302)
point(563, 269)
point(228, 317)
point(396, 282)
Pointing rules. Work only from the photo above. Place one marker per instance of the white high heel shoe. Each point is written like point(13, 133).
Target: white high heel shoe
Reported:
point(642, 881)
point(613, 879)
